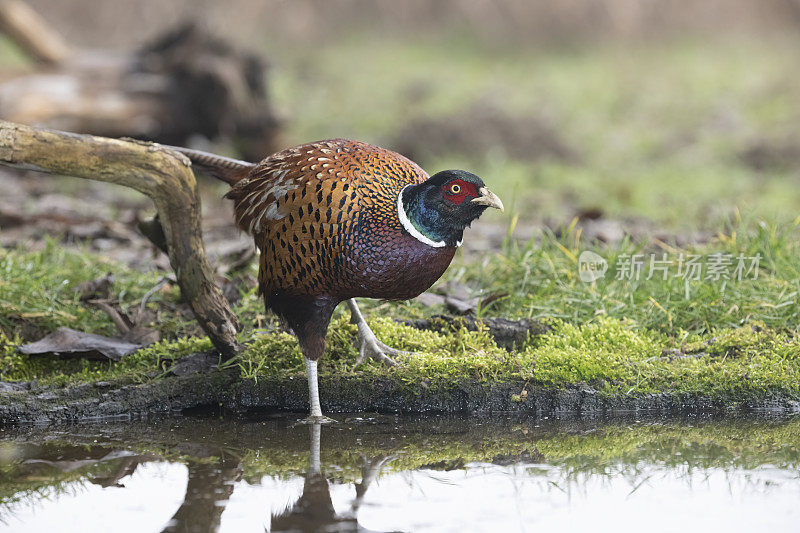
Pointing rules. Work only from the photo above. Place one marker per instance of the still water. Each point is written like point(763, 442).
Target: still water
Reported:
point(403, 474)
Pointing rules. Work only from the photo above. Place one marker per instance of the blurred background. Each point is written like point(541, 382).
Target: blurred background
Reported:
point(647, 118)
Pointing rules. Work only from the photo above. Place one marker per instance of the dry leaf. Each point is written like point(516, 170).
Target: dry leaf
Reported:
point(71, 343)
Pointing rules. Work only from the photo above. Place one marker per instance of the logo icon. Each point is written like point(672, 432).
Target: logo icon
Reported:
point(591, 267)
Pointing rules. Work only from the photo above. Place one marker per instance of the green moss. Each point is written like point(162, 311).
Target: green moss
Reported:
point(598, 352)
point(614, 356)
point(274, 354)
point(11, 363)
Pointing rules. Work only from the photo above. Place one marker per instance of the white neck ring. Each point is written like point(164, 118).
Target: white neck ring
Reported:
point(409, 227)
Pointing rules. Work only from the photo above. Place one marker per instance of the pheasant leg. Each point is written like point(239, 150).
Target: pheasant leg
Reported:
point(315, 416)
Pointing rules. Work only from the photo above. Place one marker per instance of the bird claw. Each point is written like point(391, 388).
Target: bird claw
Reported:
point(372, 348)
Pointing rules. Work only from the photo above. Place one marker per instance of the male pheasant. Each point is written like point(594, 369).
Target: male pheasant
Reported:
point(339, 219)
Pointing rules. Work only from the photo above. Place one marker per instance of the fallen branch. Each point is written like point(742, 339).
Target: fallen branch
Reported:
point(163, 175)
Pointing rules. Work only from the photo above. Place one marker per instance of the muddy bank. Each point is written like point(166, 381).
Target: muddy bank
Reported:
point(227, 390)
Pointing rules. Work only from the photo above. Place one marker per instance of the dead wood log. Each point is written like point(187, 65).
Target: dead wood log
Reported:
point(183, 87)
point(163, 175)
point(32, 33)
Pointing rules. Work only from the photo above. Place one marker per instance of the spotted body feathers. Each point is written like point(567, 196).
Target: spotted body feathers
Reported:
point(324, 217)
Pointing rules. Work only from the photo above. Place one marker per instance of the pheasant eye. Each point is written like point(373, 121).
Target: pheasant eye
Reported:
point(455, 188)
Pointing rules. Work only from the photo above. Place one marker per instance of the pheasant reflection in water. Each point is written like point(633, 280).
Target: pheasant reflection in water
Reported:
point(314, 510)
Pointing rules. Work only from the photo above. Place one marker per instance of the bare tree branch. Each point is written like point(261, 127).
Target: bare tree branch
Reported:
point(163, 175)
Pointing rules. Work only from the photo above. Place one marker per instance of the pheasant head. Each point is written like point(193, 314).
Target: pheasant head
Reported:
point(438, 210)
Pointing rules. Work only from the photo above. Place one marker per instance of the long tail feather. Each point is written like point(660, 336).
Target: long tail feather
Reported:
point(223, 168)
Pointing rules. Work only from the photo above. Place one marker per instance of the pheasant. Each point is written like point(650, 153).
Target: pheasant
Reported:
point(339, 219)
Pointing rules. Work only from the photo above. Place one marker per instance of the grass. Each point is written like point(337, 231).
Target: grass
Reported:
point(541, 279)
point(41, 288)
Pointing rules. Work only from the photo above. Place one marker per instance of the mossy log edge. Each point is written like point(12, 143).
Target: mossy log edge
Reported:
point(225, 389)
point(163, 175)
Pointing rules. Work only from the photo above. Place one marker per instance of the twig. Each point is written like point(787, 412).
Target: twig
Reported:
point(122, 326)
point(149, 293)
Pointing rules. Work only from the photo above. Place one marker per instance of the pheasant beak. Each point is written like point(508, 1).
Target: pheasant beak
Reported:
point(489, 198)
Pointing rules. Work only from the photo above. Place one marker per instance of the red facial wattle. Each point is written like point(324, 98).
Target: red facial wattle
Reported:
point(457, 191)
